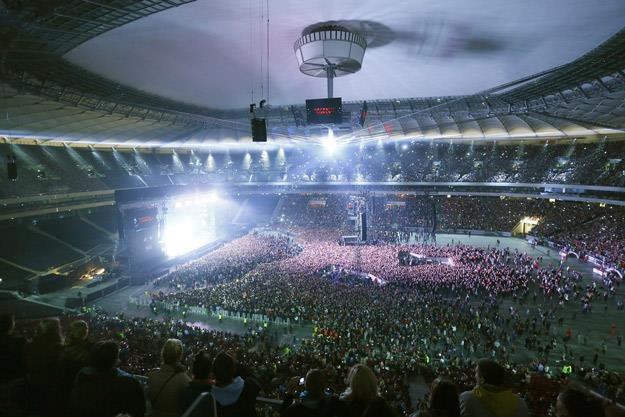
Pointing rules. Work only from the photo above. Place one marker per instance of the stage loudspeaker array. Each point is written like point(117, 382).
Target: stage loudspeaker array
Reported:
point(363, 227)
point(363, 114)
point(259, 130)
point(12, 170)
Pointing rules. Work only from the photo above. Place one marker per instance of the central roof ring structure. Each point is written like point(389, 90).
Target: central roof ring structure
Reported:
point(330, 51)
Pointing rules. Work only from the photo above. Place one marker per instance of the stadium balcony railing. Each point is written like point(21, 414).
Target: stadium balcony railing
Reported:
point(543, 398)
point(203, 407)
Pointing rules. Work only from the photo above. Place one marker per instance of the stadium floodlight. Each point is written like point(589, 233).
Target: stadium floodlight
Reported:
point(329, 143)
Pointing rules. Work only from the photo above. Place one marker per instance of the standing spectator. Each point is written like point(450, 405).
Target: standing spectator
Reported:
point(42, 358)
point(11, 350)
point(201, 379)
point(167, 384)
point(313, 402)
point(490, 398)
point(76, 354)
point(102, 390)
point(362, 398)
point(575, 403)
point(234, 395)
point(444, 400)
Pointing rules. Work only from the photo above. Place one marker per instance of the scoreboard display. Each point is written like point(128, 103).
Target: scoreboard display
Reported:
point(324, 110)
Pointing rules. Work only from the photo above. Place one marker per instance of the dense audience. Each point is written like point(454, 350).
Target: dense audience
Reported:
point(229, 261)
point(370, 333)
point(586, 228)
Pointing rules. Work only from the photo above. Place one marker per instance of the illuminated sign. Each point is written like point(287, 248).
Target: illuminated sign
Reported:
point(324, 110)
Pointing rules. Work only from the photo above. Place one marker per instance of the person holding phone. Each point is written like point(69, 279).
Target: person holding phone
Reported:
point(313, 401)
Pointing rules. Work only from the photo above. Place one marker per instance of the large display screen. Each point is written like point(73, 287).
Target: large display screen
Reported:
point(324, 110)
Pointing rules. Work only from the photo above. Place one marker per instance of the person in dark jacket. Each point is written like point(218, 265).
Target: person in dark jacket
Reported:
point(201, 379)
point(42, 359)
point(11, 350)
point(362, 398)
point(75, 356)
point(102, 390)
point(234, 395)
point(444, 401)
point(313, 402)
point(573, 402)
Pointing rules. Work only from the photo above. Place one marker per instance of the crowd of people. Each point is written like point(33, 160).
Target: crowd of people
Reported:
point(229, 261)
point(602, 238)
point(93, 367)
point(423, 315)
point(433, 320)
point(586, 228)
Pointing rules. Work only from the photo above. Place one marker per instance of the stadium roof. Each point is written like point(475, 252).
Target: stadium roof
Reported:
point(210, 53)
point(169, 72)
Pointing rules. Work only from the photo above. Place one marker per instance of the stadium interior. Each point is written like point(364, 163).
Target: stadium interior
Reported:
point(275, 208)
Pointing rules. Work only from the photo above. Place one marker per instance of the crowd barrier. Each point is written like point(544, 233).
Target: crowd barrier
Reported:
point(217, 312)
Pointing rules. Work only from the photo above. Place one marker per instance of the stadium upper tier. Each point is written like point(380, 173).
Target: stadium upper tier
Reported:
point(69, 169)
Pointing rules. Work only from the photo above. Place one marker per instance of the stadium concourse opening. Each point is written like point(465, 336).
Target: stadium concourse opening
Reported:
point(421, 213)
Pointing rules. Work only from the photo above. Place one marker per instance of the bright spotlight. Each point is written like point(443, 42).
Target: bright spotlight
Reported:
point(210, 163)
point(180, 237)
point(329, 143)
point(213, 196)
point(247, 161)
point(280, 158)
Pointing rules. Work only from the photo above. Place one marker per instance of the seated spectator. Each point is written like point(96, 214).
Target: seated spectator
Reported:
point(313, 401)
point(102, 390)
point(167, 384)
point(362, 399)
point(11, 350)
point(490, 398)
point(42, 358)
point(201, 379)
point(444, 400)
point(234, 395)
point(575, 403)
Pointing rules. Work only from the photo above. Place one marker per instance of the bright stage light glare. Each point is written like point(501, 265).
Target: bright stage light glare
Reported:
point(330, 143)
point(247, 161)
point(180, 237)
point(210, 163)
point(192, 225)
point(213, 196)
point(264, 160)
point(280, 158)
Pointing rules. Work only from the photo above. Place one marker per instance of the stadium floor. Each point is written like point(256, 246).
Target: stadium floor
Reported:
point(594, 326)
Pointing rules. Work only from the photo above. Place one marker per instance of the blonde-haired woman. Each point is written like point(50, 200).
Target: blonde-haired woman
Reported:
point(166, 384)
point(362, 399)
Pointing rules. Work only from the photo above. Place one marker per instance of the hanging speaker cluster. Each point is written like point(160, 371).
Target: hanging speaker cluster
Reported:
point(259, 130)
point(11, 168)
